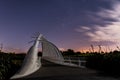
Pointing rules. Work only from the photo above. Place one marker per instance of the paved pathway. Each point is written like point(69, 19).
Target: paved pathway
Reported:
point(50, 71)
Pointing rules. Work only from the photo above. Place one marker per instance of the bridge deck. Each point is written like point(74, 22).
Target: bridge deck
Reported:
point(51, 71)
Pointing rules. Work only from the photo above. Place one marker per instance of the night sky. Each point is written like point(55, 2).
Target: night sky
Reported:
point(69, 24)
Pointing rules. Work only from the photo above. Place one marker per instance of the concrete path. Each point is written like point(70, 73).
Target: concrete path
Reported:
point(51, 71)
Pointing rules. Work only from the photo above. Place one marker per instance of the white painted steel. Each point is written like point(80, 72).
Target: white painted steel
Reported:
point(31, 62)
point(52, 54)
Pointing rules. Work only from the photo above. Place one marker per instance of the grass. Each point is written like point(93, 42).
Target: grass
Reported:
point(107, 63)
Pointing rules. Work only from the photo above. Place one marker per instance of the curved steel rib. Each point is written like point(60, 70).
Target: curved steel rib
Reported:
point(31, 62)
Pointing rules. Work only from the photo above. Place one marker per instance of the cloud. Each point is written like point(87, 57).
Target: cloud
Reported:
point(61, 49)
point(113, 13)
point(108, 31)
point(82, 29)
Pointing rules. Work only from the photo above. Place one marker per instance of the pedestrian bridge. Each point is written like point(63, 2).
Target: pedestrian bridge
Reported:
point(50, 52)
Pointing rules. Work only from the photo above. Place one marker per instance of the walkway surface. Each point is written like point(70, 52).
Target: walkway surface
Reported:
point(51, 71)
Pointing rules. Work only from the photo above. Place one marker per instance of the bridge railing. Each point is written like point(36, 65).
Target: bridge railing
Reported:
point(69, 61)
point(80, 61)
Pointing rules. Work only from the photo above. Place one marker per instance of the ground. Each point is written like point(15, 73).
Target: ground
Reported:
point(51, 71)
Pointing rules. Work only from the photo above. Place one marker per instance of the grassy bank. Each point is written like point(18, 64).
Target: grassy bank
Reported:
point(9, 64)
point(108, 63)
